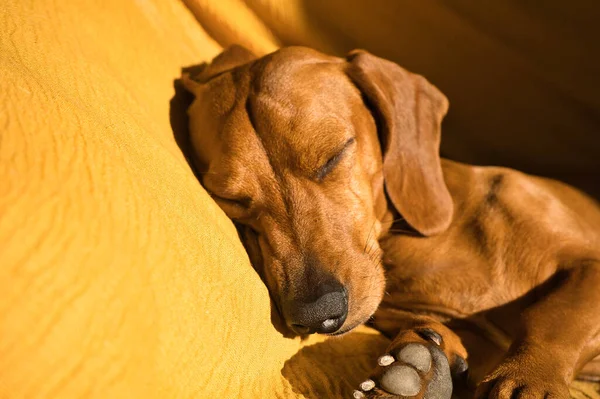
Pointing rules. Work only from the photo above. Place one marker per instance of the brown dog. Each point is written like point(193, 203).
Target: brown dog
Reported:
point(331, 169)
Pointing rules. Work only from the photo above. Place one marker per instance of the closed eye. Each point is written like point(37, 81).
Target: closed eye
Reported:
point(242, 203)
point(333, 161)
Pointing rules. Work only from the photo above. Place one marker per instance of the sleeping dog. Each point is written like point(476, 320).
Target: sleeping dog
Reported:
point(331, 169)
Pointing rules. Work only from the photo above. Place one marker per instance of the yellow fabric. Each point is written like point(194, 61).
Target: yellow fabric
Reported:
point(119, 277)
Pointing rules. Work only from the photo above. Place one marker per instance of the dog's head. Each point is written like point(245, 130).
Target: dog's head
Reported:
point(308, 153)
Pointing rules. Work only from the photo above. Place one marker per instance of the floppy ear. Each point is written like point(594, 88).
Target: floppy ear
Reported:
point(409, 111)
point(233, 56)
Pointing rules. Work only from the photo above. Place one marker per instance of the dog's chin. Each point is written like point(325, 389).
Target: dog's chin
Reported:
point(348, 327)
point(344, 330)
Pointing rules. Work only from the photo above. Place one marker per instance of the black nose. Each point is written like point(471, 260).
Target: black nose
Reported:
point(324, 315)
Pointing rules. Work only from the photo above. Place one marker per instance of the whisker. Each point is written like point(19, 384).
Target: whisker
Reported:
point(402, 231)
point(370, 248)
point(401, 219)
point(367, 297)
point(368, 237)
point(376, 256)
point(373, 249)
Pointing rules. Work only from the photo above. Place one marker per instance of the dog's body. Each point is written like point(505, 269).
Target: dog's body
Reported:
point(512, 242)
point(331, 167)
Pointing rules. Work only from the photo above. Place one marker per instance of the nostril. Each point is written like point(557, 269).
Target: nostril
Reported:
point(325, 315)
point(329, 326)
point(300, 329)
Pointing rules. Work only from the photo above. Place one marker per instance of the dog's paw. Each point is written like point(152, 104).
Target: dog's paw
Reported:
point(411, 370)
point(514, 379)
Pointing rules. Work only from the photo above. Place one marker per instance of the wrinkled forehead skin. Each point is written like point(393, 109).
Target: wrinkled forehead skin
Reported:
point(278, 106)
point(261, 133)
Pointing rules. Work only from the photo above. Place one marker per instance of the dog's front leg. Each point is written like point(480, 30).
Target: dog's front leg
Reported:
point(421, 362)
point(560, 333)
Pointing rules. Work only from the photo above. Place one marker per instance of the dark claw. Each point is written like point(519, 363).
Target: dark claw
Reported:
point(460, 366)
point(430, 335)
point(460, 370)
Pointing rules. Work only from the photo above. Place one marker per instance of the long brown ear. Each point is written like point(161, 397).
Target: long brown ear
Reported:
point(409, 110)
point(229, 58)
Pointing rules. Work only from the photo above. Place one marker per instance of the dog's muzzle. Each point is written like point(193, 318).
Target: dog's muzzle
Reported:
point(324, 315)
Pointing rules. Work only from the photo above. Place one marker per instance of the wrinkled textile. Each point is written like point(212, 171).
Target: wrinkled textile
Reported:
point(119, 276)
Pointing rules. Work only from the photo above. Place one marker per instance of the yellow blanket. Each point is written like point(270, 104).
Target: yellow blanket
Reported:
point(119, 277)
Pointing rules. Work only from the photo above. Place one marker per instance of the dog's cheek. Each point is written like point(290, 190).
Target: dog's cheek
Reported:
point(251, 244)
point(367, 285)
point(269, 268)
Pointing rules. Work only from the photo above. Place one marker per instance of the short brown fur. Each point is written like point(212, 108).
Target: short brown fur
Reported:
point(505, 266)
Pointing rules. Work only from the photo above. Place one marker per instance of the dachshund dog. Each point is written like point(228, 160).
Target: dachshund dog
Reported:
point(331, 170)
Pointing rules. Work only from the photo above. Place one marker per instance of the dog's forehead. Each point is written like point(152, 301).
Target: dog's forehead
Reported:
point(293, 108)
point(297, 77)
point(281, 69)
point(299, 103)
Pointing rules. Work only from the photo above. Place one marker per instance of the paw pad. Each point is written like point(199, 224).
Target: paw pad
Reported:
point(410, 370)
point(416, 355)
point(401, 380)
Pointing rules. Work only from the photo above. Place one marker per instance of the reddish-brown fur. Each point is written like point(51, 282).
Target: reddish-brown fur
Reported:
point(505, 266)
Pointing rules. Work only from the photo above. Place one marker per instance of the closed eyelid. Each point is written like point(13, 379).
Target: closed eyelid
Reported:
point(334, 160)
point(244, 202)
